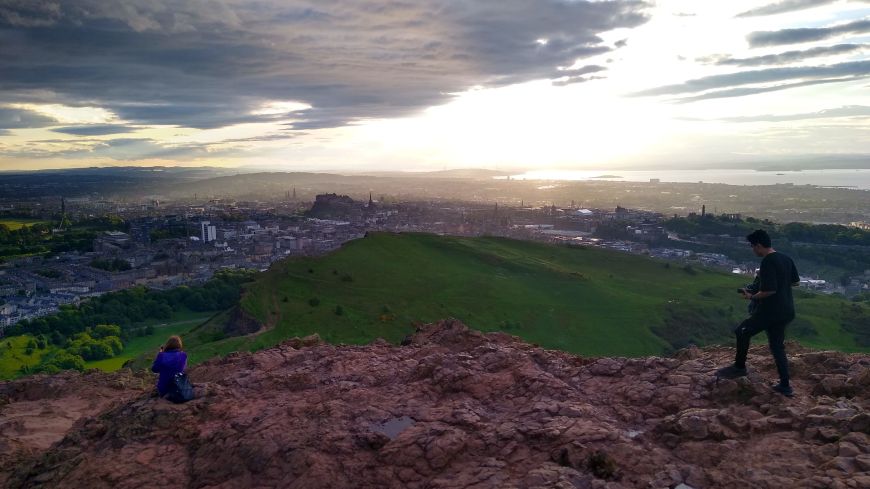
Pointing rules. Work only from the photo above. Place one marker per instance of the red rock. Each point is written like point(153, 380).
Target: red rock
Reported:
point(863, 462)
point(470, 411)
point(847, 449)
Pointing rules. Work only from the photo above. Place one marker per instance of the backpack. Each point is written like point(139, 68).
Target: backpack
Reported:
point(180, 390)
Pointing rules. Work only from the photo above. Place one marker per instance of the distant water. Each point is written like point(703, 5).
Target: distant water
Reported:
point(859, 179)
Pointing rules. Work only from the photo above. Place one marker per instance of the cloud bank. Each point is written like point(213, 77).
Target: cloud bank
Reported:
point(806, 34)
point(790, 76)
point(787, 56)
point(785, 6)
point(207, 64)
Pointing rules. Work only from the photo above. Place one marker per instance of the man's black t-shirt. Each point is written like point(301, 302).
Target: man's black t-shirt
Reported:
point(778, 273)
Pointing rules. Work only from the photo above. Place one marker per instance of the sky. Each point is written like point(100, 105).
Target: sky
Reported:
point(368, 85)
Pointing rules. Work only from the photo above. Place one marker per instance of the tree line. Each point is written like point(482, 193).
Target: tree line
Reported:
point(128, 307)
point(830, 245)
point(793, 231)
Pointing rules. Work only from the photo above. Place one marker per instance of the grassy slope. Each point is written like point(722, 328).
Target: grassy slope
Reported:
point(180, 324)
point(12, 359)
point(587, 301)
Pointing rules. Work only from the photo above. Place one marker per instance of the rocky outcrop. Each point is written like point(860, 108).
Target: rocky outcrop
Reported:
point(454, 408)
point(241, 323)
point(332, 206)
point(38, 411)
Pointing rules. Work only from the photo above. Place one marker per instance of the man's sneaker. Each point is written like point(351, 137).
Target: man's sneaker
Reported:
point(730, 372)
point(783, 389)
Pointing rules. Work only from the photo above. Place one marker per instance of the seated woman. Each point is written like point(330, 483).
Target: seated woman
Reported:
point(170, 360)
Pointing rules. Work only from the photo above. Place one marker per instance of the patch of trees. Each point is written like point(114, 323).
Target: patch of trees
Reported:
point(845, 258)
point(826, 245)
point(108, 222)
point(711, 224)
point(34, 343)
point(39, 238)
point(825, 234)
point(168, 233)
point(129, 307)
point(55, 362)
point(793, 231)
point(98, 343)
point(49, 273)
point(114, 265)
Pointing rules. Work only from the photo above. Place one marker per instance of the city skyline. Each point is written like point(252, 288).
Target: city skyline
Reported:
point(384, 85)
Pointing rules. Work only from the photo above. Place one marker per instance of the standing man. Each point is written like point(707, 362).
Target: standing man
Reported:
point(775, 310)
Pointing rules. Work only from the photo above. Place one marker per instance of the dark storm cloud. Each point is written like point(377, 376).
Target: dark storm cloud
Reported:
point(794, 36)
point(208, 64)
point(785, 57)
point(845, 111)
point(94, 129)
point(12, 118)
point(792, 76)
point(784, 6)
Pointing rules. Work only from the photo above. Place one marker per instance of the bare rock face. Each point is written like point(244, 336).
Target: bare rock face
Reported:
point(38, 411)
point(241, 323)
point(454, 408)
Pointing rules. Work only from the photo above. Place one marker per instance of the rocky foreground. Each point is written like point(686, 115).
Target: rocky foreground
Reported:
point(452, 409)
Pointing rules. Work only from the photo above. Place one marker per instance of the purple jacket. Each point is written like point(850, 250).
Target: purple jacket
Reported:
point(167, 364)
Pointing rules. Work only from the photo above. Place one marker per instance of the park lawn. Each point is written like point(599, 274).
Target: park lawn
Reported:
point(12, 359)
point(15, 224)
point(180, 324)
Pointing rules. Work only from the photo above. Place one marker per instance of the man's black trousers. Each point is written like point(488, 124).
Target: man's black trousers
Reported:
point(775, 338)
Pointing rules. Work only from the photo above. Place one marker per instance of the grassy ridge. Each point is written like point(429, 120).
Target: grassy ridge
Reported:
point(180, 324)
point(583, 300)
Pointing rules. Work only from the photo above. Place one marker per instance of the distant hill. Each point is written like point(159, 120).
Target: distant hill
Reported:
point(580, 300)
point(258, 185)
point(106, 181)
point(464, 173)
point(270, 184)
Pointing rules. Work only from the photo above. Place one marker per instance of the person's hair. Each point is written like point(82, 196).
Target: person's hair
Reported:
point(173, 343)
point(759, 236)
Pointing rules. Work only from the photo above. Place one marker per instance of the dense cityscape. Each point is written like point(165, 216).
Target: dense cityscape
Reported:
point(161, 245)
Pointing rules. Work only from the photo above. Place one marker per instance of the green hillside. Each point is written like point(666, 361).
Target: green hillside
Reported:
point(583, 300)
